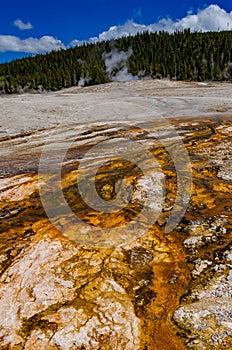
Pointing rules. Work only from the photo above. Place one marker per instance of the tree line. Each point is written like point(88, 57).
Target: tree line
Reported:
point(182, 55)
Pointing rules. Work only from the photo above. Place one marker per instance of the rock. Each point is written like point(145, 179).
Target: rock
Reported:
point(49, 286)
point(204, 232)
point(207, 313)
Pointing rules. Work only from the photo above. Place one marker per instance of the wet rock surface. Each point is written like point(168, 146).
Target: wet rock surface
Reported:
point(148, 290)
point(206, 313)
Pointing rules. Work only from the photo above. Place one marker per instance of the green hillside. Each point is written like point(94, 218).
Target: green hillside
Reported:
point(181, 55)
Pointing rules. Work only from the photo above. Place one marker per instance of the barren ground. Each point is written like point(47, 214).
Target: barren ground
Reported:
point(20, 113)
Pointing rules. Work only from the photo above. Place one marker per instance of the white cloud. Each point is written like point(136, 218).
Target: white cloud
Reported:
point(21, 25)
point(29, 45)
point(212, 18)
point(114, 32)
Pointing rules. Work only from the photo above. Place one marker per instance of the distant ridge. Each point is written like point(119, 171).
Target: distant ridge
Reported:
point(181, 56)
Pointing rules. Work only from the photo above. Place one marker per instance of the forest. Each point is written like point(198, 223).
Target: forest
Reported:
point(183, 55)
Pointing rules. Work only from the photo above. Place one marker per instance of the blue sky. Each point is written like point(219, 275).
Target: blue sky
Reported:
point(61, 22)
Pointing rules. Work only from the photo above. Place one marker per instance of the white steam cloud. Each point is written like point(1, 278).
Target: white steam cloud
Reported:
point(116, 65)
point(84, 81)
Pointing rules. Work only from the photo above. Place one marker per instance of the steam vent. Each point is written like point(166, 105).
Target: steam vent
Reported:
point(116, 218)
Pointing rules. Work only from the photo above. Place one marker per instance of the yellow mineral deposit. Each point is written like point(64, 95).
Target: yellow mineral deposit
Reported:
point(159, 291)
